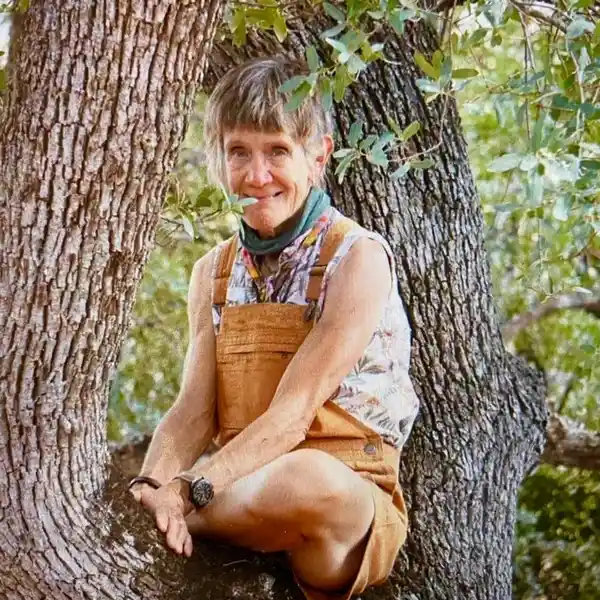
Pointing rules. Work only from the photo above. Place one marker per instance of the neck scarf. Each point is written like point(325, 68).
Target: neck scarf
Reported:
point(314, 206)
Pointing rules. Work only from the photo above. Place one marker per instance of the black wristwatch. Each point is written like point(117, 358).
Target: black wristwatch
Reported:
point(201, 489)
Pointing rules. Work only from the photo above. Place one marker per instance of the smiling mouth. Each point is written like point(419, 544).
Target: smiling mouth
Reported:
point(275, 195)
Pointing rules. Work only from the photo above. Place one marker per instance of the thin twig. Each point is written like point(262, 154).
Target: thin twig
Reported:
point(565, 396)
point(530, 12)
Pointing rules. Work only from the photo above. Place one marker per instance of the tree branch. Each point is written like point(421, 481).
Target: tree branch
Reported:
point(570, 444)
point(588, 302)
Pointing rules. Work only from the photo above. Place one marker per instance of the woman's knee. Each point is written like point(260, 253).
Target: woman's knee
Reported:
point(314, 487)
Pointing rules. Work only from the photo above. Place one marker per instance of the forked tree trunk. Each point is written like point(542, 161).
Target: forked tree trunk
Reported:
point(483, 412)
point(96, 110)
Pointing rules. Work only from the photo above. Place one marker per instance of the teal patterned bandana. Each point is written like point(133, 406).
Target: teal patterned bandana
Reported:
point(315, 205)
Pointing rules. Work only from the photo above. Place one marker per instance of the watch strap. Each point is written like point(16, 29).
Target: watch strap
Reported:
point(185, 476)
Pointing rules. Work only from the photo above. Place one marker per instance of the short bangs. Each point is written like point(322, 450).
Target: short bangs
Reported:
point(248, 97)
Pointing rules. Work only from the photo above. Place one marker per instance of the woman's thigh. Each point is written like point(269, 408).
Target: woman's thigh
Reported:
point(304, 497)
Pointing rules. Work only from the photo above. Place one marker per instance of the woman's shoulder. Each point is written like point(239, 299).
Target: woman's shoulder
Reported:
point(353, 232)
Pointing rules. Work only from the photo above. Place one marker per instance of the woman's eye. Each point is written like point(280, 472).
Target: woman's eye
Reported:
point(279, 151)
point(237, 153)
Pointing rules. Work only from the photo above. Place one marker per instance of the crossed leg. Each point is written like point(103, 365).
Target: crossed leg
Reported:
point(306, 503)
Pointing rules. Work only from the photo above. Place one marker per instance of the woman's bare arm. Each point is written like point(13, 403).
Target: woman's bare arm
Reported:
point(189, 425)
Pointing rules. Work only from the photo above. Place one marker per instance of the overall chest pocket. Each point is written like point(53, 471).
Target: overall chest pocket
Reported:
point(255, 345)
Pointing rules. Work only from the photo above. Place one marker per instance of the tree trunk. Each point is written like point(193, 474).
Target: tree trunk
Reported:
point(95, 111)
point(483, 412)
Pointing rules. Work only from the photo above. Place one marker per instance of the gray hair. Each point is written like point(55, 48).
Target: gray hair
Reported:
point(248, 96)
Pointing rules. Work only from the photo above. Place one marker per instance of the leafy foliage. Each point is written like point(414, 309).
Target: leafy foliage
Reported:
point(557, 550)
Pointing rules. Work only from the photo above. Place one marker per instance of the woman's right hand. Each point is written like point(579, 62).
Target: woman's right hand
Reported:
point(139, 488)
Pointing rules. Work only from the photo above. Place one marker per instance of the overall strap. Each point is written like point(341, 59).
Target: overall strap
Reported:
point(223, 271)
point(333, 239)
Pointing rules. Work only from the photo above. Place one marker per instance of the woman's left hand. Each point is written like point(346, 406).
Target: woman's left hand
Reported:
point(169, 510)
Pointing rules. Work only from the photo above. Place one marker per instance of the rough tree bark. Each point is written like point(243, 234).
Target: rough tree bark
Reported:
point(96, 107)
point(95, 113)
point(483, 411)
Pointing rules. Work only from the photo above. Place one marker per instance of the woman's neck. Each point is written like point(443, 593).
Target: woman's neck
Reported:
point(287, 225)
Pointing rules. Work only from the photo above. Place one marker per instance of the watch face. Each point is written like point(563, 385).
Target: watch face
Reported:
point(201, 492)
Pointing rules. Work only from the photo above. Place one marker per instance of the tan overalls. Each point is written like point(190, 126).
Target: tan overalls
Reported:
point(255, 344)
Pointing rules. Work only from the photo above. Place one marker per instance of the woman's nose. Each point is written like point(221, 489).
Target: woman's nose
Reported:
point(259, 171)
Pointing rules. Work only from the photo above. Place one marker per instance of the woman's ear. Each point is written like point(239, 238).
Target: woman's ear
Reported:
point(322, 154)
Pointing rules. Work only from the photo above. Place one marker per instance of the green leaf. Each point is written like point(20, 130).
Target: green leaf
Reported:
point(437, 59)
point(529, 162)
point(426, 85)
point(401, 172)
point(292, 84)
point(344, 53)
point(312, 58)
point(394, 126)
point(506, 162)
point(426, 163)
point(561, 209)
point(243, 202)
point(368, 142)
point(343, 152)
point(538, 131)
point(382, 141)
point(188, 227)
point(339, 84)
point(334, 12)
point(378, 157)
point(578, 27)
point(494, 11)
point(331, 33)
point(279, 26)
point(238, 28)
point(413, 128)
point(446, 71)
point(475, 38)
point(464, 73)
point(355, 64)
point(298, 97)
point(326, 93)
point(352, 40)
point(592, 165)
point(398, 18)
point(343, 166)
point(356, 132)
point(426, 67)
point(534, 188)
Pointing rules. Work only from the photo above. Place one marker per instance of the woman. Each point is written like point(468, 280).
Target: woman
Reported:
point(297, 364)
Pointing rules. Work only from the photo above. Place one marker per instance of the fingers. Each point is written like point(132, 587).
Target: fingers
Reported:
point(147, 497)
point(177, 536)
point(162, 519)
point(187, 544)
point(136, 493)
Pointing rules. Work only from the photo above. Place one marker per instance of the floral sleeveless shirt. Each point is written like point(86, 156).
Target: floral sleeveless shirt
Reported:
point(378, 390)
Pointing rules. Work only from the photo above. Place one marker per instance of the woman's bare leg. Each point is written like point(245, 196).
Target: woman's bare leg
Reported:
point(306, 503)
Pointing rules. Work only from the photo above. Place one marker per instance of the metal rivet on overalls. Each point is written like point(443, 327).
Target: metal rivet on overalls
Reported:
point(370, 449)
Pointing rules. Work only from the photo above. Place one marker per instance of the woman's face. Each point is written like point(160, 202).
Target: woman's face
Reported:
point(274, 169)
